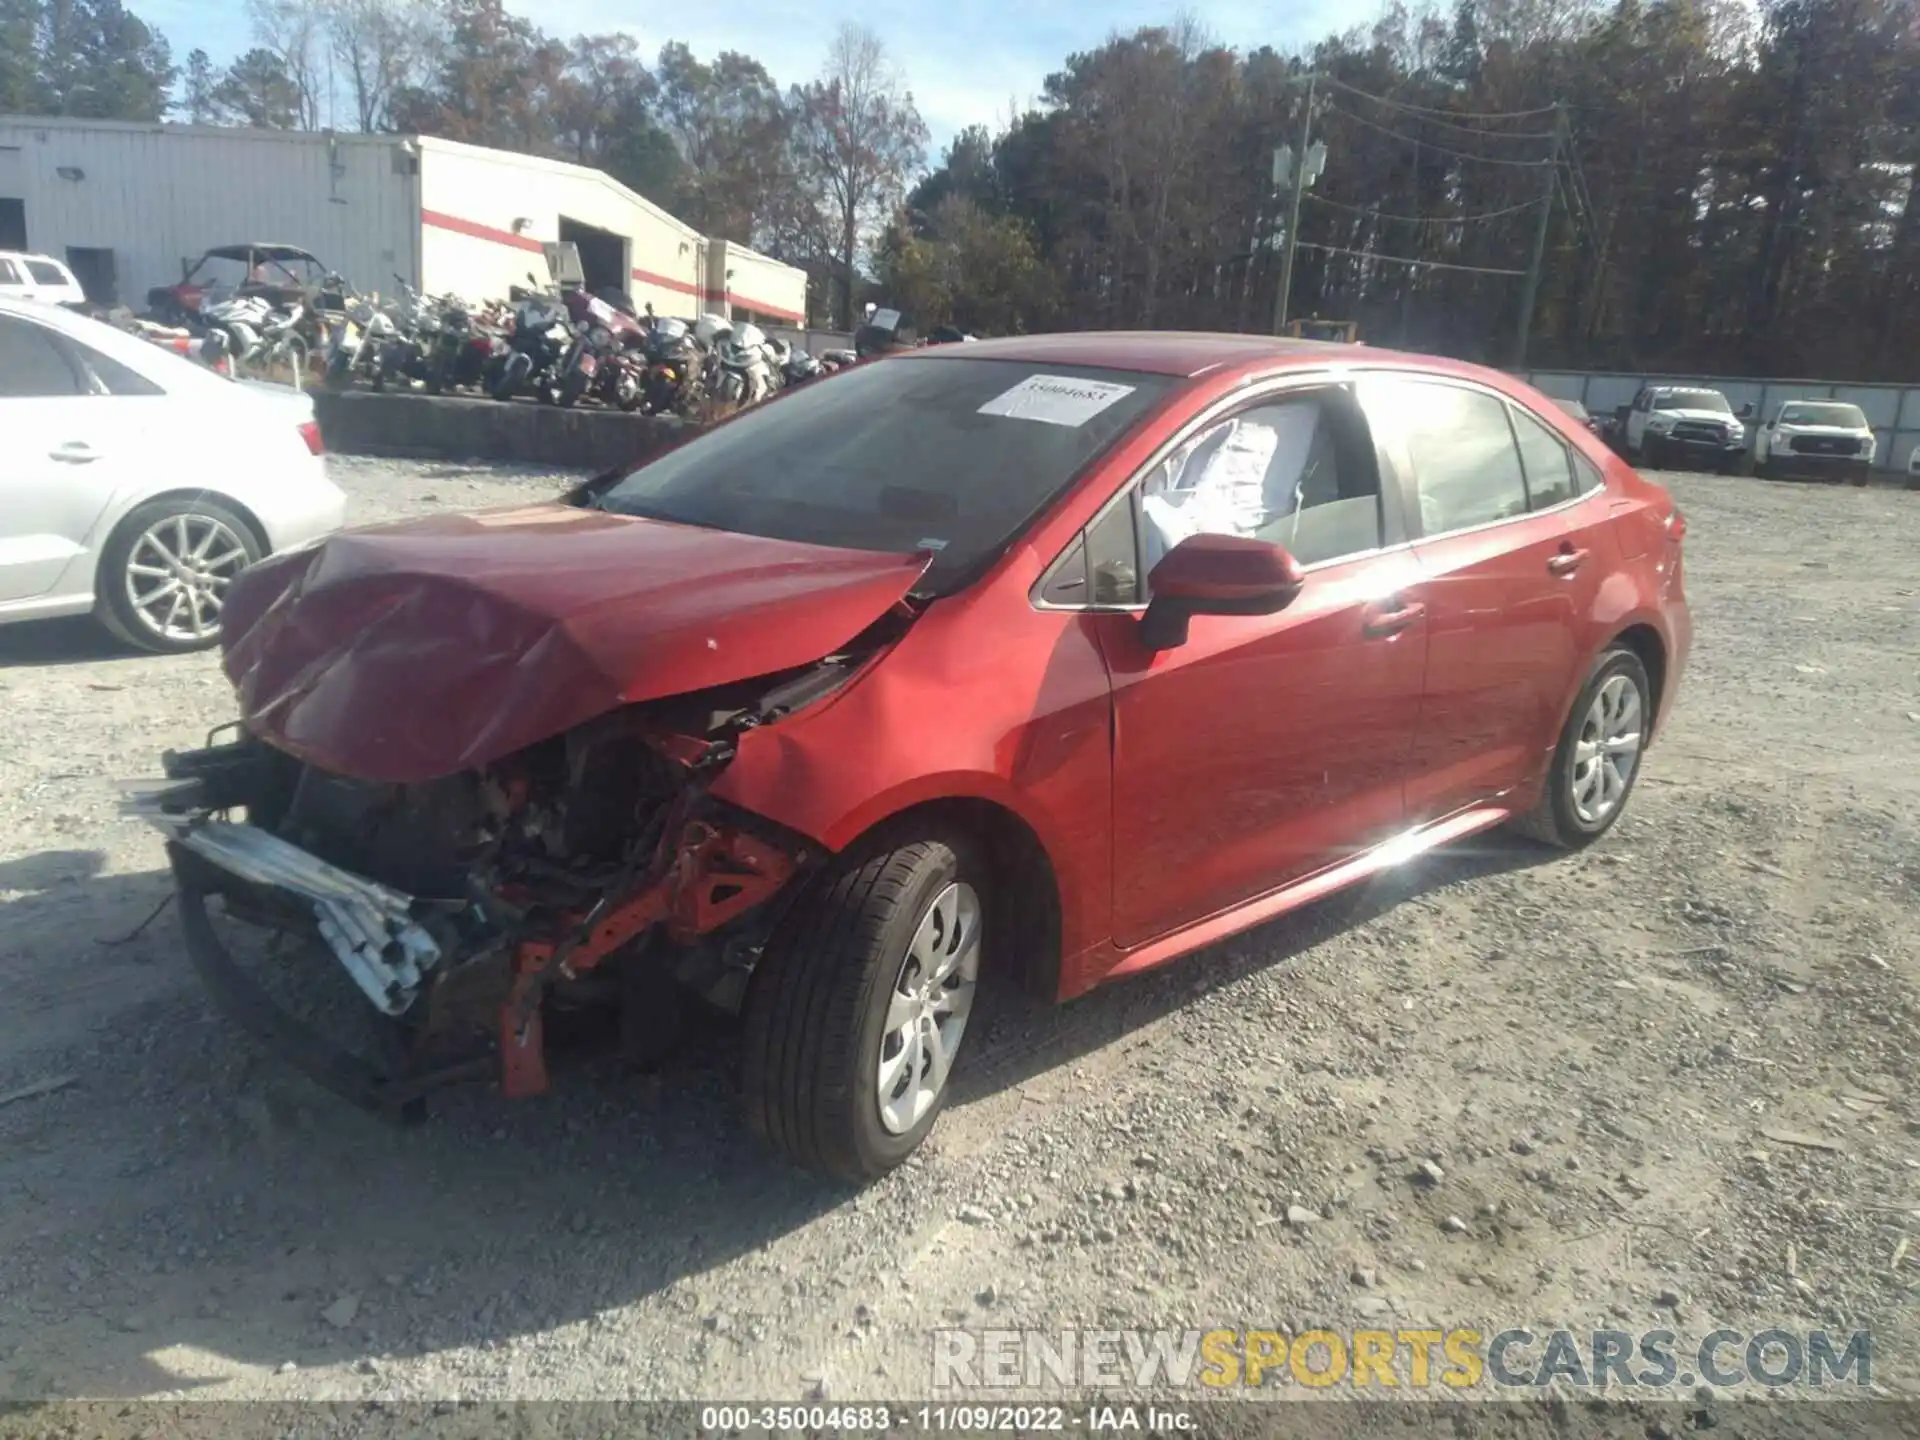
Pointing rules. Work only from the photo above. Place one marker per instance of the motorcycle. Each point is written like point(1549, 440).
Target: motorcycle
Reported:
point(800, 368)
point(540, 341)
point(255, 337)
point(359, 344)
point(673, 383)
point(598, 362)
point(747, 378)
point(416, 324)
point(467, 350)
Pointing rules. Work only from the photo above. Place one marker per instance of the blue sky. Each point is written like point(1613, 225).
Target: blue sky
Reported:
point(966, 61)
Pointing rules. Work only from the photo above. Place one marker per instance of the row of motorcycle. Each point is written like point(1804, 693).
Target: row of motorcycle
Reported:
point(565, 348)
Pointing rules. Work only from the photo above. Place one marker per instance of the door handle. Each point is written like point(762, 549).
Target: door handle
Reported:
point(1392, 622)
point(1567, 561)
point(74, 452)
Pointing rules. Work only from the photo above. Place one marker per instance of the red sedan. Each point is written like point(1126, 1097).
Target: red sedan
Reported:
point(1047, 659)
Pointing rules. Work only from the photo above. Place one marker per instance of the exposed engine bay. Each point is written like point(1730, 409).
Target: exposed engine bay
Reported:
point(588, 869)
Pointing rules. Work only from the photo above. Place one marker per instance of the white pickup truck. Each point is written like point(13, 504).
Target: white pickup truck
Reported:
point(1677, 425)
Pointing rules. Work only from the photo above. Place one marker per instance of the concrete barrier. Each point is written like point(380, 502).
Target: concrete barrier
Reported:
point(451, 427)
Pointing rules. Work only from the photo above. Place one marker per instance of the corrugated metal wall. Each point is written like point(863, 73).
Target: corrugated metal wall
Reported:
point(1892, 410)
point(155, 195)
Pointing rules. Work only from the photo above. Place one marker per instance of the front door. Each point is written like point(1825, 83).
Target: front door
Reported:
point(1265, 747)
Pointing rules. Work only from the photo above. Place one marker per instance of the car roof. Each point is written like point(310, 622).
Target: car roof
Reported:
point(1185, 353)
point(29, 255)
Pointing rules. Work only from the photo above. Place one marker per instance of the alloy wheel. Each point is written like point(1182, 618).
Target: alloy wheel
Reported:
point(1608, 748)
point(927, 1012)
point(178, 573)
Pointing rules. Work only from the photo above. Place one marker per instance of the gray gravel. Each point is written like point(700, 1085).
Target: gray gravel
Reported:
point(1514, 1088)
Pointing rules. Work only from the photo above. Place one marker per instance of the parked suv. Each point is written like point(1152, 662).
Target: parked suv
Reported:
point(1815, 440)
point(38, 277)
point(1670, 425)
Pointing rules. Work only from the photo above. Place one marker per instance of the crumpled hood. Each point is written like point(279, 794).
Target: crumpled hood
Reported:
point(408, 651)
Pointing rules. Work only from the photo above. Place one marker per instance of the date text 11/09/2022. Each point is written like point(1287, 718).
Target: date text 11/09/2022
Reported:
point(962, 1419)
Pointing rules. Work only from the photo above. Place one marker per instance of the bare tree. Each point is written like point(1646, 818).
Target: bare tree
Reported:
point(295, 32)
point(382, 48)
point(857, 137)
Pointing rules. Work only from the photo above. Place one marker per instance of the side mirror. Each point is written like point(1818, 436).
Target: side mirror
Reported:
point(1215, 575)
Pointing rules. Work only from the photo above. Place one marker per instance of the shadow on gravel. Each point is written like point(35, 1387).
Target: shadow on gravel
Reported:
point(270, 1224)
point(75, 640)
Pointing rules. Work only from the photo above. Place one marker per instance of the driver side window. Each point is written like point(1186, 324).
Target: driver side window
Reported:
point(1287, 472)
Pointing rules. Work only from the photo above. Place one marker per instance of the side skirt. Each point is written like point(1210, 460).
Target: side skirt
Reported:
point(1309, 888)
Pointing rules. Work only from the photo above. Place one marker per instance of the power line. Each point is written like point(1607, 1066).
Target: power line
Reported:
point(1413, 109)
point(1425, 219)
point(1404, 260)
point(1429, 145)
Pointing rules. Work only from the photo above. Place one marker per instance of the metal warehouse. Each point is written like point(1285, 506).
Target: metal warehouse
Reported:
point(126, 205)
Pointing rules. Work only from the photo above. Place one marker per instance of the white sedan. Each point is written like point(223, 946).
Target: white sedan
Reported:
point(135, 485)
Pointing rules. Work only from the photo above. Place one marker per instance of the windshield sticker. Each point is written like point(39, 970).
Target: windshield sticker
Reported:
point(934, 545)
point(1055, 399)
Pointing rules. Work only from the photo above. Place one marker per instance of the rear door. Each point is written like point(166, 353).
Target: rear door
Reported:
point(1506, 583)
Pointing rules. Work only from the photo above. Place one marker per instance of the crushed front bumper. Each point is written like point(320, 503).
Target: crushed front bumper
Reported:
point(374, 932)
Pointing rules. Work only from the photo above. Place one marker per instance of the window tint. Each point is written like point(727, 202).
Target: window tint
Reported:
point(45, 274)
point(1292, 472)
point(111, 377)
point(1586, 474)
point(1466, 468)
point(30, 365)
point(1548, 466)
point(1113, 556)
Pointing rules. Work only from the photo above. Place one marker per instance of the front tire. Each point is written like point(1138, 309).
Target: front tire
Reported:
point(166, 570)
point(1598, 758)
point(859, 1006)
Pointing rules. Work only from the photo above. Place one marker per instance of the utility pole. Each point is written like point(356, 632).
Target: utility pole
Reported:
point(1293, 211)
point(1531, 290)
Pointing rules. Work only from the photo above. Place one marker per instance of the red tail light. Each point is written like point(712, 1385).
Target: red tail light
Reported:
point(310, 432)
point(1676, 525)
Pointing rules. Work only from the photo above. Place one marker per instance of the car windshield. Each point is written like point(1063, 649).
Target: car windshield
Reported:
point(952, 456)
point(1572, 407)
point(1844, 417)
point(1695, 400)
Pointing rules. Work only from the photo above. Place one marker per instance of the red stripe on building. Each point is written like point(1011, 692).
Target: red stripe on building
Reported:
point(478, 231)
point(666, 282)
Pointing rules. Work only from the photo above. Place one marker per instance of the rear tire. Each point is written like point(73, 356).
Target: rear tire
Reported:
point(818, 1007)
point(1561, 817)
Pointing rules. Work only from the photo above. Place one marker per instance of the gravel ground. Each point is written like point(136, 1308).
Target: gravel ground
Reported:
point(1598, 1055)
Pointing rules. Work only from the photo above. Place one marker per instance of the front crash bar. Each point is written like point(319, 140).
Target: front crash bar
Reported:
point(369, 927)
point(396, 1095)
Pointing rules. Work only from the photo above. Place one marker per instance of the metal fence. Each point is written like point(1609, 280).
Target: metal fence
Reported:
point(1892, 410)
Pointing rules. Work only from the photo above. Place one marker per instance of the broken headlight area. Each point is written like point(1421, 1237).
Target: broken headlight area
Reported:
point(589, 873)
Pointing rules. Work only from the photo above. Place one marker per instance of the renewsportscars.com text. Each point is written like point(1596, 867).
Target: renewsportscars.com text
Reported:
point(1383, 1360)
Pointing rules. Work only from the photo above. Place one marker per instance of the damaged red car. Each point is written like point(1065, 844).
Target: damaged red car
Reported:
point(1041, 660)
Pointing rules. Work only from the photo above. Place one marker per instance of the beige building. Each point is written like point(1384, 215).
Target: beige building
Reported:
point(127, 205)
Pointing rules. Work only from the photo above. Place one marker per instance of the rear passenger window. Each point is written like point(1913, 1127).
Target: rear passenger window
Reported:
point(1586, 474)
point(1466, 468)
point(1548, 465)
point(45, 274)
